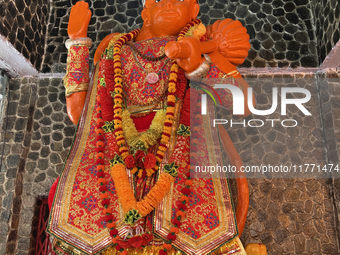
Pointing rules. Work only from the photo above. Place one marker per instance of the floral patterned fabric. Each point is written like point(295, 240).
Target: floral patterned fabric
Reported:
point(77, 76)
point(77, 221)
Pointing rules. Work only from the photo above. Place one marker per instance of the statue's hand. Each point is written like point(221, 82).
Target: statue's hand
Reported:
point(79, 20)
point(187, 53)
point(232, 40)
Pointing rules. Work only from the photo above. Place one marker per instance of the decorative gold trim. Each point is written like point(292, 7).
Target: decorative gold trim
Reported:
point(231, 74)
point(227, 228)
point(59, 226)
point(69, 89)
point(233, 247)
point(142, 109)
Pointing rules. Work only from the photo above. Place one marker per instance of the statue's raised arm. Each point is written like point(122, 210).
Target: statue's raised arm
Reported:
point(77, 77)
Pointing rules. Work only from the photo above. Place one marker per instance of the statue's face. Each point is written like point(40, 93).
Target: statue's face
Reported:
point(168, 17)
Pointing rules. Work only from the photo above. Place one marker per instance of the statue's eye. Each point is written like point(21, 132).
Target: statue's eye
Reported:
point(156, 1)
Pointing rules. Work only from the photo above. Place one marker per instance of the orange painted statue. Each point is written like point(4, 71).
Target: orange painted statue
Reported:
point(128, 185)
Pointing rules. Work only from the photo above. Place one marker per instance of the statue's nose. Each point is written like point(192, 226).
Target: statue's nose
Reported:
point(168, 5)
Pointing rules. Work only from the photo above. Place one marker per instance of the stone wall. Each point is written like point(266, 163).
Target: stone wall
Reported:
point(281, 32)
point(326, 20)
point(330, 98)
point(291, 215)
point(52, 136)
point(15, 141)
point(24, 24)
point(36, 136)
point(5, 193)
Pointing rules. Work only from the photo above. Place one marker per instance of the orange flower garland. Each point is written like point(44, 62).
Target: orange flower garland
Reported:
point(127, 197)
point(184, 199)
point(165, 138)
point(118, 171)
point(156, 194)
point(118, 88)
point(104, 195)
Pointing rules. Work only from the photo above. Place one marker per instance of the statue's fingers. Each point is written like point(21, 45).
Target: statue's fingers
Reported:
point(208, 46)
point(79, 8)
point(82, 7)
point(176, 50)
point(83, 4)
point(86, 20)
point(86, 6)
point(73, 11)
point(88, 16)
point(237, 54)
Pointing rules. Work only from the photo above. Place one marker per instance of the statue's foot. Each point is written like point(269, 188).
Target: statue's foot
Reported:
point(256, 249)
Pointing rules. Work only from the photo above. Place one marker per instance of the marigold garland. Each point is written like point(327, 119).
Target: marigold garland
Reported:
point(127, 197)
point(145, 139)
point(111, 78)
point(104, 195)
point(186, 190)
point(181, 204)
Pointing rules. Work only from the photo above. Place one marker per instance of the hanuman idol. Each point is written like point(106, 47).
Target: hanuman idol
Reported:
point(128, 184)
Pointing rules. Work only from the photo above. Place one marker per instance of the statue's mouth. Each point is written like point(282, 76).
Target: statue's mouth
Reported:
point(169, 14)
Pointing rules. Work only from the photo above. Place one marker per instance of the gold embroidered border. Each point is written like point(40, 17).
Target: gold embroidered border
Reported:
point(233, 247)
point(227, 228)
point(59, 226)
